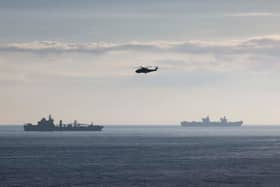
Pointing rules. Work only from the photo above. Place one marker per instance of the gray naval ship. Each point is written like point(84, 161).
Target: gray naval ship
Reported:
point(207, 123)
point(48, 125)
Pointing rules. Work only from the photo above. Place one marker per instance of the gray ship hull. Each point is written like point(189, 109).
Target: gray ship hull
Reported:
point(38, 128)
point(211, 124)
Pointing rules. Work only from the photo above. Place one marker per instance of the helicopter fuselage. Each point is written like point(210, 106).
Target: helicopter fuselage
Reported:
point(146, 70)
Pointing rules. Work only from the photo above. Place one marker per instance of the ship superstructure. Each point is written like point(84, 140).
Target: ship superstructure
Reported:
point(206, 122)
point(48, 125)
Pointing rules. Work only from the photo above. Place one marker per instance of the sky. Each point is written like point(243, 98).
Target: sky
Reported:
point(76, 60)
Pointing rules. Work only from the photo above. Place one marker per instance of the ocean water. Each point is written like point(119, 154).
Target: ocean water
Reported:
point(156, 156)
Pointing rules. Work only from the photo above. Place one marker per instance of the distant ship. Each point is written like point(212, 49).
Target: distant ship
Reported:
point(48, 125)
point(207, 123)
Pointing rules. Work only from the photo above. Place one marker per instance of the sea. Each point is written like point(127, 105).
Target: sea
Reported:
point(142, 155)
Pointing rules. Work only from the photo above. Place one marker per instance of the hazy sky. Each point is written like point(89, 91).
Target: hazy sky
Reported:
point(76, 60)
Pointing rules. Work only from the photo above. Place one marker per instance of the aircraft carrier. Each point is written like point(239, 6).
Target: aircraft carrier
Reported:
point(207, 123)
point(48, 125)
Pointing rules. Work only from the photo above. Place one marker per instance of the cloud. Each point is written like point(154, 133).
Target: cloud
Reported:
point(264, 44)
point(253, 14)
point(63, 60)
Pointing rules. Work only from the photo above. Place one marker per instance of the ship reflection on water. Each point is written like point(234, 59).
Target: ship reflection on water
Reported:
point(48, 125)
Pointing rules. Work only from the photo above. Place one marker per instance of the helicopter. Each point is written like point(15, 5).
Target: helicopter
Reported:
point(147, 69)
